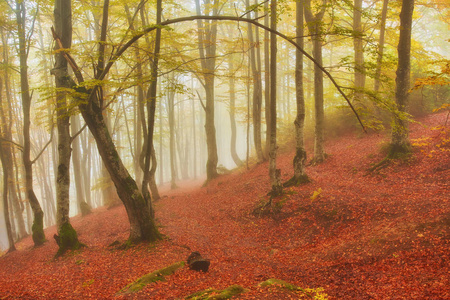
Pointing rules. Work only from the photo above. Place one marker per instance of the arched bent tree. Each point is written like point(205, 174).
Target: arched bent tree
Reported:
point(142, 225)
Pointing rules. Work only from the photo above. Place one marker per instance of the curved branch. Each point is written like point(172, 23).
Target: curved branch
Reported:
point(136, 37)
point(122, 49)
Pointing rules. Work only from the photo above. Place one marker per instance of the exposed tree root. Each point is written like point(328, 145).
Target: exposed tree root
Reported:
point(297, 180)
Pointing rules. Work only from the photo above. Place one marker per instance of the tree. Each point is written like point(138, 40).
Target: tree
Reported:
point(360, 76)
point(400, 135)
point(381, 45)
point(207, 32)
point(267, 78)
point(299, 161)
point(67, 236)
point(78, 172)
point(274, 173)
point(5, 147)
point(255, 62)
point(142, 225)
point(8, 152)
point(314, 22)
point(171, 115)
point(148, 151)
point(38, 214)
point(232, 111)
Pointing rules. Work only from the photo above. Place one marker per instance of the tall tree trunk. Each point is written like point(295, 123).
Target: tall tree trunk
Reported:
point(400, 133)
point(38, 214)
point(274, 173)
point(4, 147)
point(314, 26)
point(173, 167)
point(194, 139)
point(299, 161)
point(161, 155)
point(11, 246)
point(149, 150)
point(257, 89)
point(232, 111)
point(17, 206)
point(142, 225)
point(381, 45)
point(139, 103)
point(207, 32)
point(68, 238)
point(267, 78)
point(360, 73)
point(83, 207)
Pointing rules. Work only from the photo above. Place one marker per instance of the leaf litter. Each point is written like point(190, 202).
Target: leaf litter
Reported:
point(351, 233)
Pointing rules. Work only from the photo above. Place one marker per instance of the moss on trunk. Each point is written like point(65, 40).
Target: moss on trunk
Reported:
point(38, 229)
point(68, 239)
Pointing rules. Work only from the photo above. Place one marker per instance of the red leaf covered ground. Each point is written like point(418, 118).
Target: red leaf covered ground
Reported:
point(384, 235)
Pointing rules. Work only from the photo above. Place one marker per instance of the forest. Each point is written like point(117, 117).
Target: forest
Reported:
point(299, 148)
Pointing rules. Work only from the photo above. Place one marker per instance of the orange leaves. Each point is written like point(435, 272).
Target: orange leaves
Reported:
point(381, 236)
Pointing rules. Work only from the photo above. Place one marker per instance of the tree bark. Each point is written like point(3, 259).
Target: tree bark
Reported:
point(257, 90)
point(149, 151)
point(381, 45)
point(400, 133)
point(173, 167)
point(142, 225)
point(274, 173)
point(38, 214)
point(314, 26)
point(7, 120)
point(267, 79)
point(4, 147)
point(360, 73)
point(299, 161)
point(78, 175)
point(207, 49)
point(232, 111)
point(68, 238)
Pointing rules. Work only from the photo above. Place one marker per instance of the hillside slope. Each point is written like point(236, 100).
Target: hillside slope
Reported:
point(381, 235)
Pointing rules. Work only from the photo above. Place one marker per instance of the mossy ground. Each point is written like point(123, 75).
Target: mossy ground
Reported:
point(213, 294)
point(158, 275)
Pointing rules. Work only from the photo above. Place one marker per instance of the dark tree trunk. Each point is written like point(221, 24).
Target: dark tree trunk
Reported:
point(63, 27)
point(142, 225)
point(257, 90)
point(232, 111)
point(83, 206)
point(360, 73)
point(149, 151)
point(4, 147)
point(314, 26)
point(207, 49)
point(274, 173)
point(267, 79)
point(400, 135)
point(381, 45)
point(38, 214)
point(299, 161)
point(17, 206)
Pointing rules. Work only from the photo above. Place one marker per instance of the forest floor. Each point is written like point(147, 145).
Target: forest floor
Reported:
point(364, 235)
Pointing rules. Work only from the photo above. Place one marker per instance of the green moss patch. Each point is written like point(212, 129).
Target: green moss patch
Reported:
point(158, 275)
point(309, 293)
point(213, 294)
point(67, 239)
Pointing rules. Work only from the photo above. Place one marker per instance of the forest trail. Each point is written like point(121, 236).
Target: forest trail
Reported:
point(383, 235)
